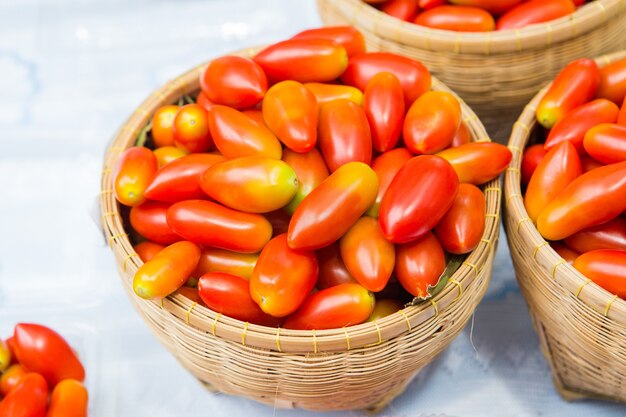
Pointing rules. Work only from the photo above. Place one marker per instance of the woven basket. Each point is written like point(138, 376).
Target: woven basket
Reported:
point(358, 367)
point(496, 73)
point(581, 327)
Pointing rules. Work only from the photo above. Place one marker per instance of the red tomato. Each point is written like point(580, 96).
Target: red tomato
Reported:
point(256, 115)
point(167, 271)
point(191, 294)
point(162, 120)
point(401, 9)
point(28, 399)
point(613, 82)
point(621, 117)
point(564, 252)
point(167, 154)
point(462, 136)
point(478, 162)
point(204, 102)
point(531, 159)
point(9, 345)
point(42, 350)
point(325, 93)
point(417, 199)
point(11, 378)
point(457, 19)
point(234, 81)
point(384, 308)
point(191, 129)
point(419, 264)
point(282, 277)
point(149, 220)
point(310, 170)
point(588, 163)
point(69, 399)
point(335, 307)
point(534, 11)
point(5, 356)
point(344, 134)
point(347, 36)
point(279, 220)
point(609, 235)
point(386, 166)
point(148, 250)
point(234, 263)
point(210, 224)
point(332, 270)
point(132, 175)
point(429, 4)
point(606, 143)
point(383, 103)
point(492, 6)
point(607, 268)
point(333, 207)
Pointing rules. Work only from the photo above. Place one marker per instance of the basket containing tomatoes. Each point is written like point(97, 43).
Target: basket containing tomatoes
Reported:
point(565, 194)
point(496, 54)
point(302, 227)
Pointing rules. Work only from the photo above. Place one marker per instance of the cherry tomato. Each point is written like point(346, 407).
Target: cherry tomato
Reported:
point(149, 220)
point(607, 268)
point(347, 36)
point(492, 6)
point(332, 270)
point(290, 111)
point(303, 60)
point(325, 93)
point(167, 154)
point(386, 166)
point(210, 224)
point(191, 129)
point(11, 378)
point(429, 4)
point(419, 264)
point(69, 399)
point(282, 277)
point(564, 252)
point(162, 120)
point(28, 399)
point(384, 308)
point(462, 136)
point(478, 162)
point(462, 227)
point(5, 356)
point(310, 170)
point(234, 81)
point(613, 82)
point(148, 250)
point(335, 307)
point(606, 143)
point(417, 198)
point(279, 220)
point(234, 263)
point(132, 175)
point(344, 134)
point(457, 19)
point(383, 103)
point(621, 117)
point(204, 102)
point(42, 350)
point(333, 207)
point(588, 163)
point(401, 9)
point(531, 159)
point(609, 235)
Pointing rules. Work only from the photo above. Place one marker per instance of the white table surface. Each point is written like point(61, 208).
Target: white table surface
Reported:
point(70, 73)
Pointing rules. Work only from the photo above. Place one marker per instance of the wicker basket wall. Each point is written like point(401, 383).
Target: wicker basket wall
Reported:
point(363, 366)
point(581, 327)
point(496, 73)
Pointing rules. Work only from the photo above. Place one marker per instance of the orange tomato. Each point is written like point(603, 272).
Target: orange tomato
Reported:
point(204, 102)
point(531, 159)
point(384, 308)
point(457, 19)
point(325, 93)
point(462, 136)
point(310, 169)
point(401, 9)
point(332, 270)
point(613, 82)
point(256, 115)
point(621, 117)
point(191, 129)
point(234, 263)
point(606, 143)
point(162, 120)
point(347, 36)
point(565, 252)
point(478, 162)
point(69, 399)
point(534, 11)
point(492, 6)
point(419, 264)
point(5, 356)
point(383, 103)
point(132, 174)
point(607, 268)
point(588, 163)
point(167, 154)
point(28, 399)
point(609, 235)
point(148, 250)
point(386, 166)
point(11, 378)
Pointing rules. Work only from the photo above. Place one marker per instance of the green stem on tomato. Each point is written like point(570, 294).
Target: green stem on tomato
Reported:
point(453, 265)
point(143, 135)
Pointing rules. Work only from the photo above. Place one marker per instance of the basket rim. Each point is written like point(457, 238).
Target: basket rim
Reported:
point(563, 274)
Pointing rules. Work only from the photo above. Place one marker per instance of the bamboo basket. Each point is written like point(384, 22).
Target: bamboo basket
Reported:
point(496, 73)
point(357, 367)
point(581, 327)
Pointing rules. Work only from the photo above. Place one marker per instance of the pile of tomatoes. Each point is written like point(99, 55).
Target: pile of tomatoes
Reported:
point(304, 180)
point(477, 15)
point(40, 375)
point(576, 181)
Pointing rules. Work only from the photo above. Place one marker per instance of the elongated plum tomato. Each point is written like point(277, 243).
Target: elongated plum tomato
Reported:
point(413, 75)
point(150, 221)
point(5, 356)
point(69, 399)
point(417, 198)
point(588, 163)
point(162, 120)
point(609, 235)
point(386, 166)
point(234, 81)
point(148, 250)
point(401, 9)
point(282, 277)
point(42, 350)
point(385, 307)
point(383, 103)
point(234, 263)
point(253, 184)
point(369, 257)
point(531, 159)
point(256, 115)
point(419, 264)
point(132, 175)
point(190, 293)
point(325, 93)
point(565, 252)
point(492, 6)
point(429, 4)
point(462, 136)
point(335, 307)
point(167, 271)
point(333, 207)
point(621, 117)
point(28, 399)
point(347, 36)
point(310, 169)
point(344, 134)
point(191, 129)
point(235, 134)
point(11, 378)
point(332, 270)
point(534, 11)
point(166, 154)
point(230, 295)
point(613, 82)
point(457, 19)
point(203, 101)
point(290, 111)
point(303, 60)
point(607, 268)
point(606, 143)
point(575, 85)
point(478, 162)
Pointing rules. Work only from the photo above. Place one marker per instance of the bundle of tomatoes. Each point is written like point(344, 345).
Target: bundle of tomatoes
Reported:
point(576, 180)
point(40, 375)
point(477, 15)
point(292, 189)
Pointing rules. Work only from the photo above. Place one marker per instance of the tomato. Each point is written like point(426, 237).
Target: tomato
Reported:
point(191, 129)
point(255, 115)
point(11, 378)
point(69, 399)
point(534, 11)
point(386, 166)
point(332, 270)
point(419, 264)
point(236, 134)
point(191, 293)
point(325, 93)
point(42, 350)
point(492, 6)
point(429, 4)
point(279, 220)
point(9, 344)
point(531, 159)
point(344, 134)
point(148, 250)
point(573, 126)
point(462, 136)
point(609, 235)
point(414, 77)
point(333, 207)
point(401, 9)
point(588, 163)
point(234, 263)
point(462, 227)
point(621, 117)
point(167, 154)
point(383, 103)
point(593, 198)
point(167, 271)
point(282, 277)
point(478, 162)
point(234, 81)
point(162, 120)
point(431, 122)
point(384, 308)
point(335, 307)
point(28, 399)
point(417, 198)
point(204, 102)
point(310, 170)
point(290, 111)
point(457, 19)
point(606, 143)
point(575, 85)
point(347, 36)
point(132, 174)
point(253, 184)
point(230, 295)
point(557, 170)
point(5, 356)
point(607, 268)
point(210, 224)
point(564, 252)
point(613, 82)
point(150, 221)
point(303, 60)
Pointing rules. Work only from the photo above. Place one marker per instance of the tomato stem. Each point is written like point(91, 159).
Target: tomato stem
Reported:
point(142, 138)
